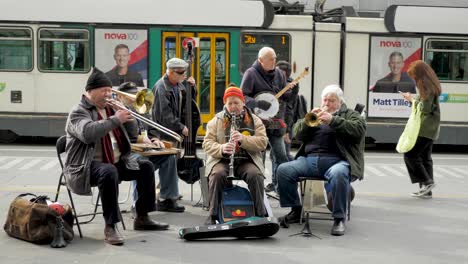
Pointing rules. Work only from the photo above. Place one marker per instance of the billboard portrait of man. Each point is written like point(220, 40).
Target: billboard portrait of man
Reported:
point(121, 72)
point(397, 80)
point(123, 53)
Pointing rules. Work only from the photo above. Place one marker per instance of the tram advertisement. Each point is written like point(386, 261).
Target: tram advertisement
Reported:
point(389, 60)
point(123, 55)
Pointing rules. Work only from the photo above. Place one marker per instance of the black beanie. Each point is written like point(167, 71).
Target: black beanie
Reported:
point(285, 66)
point(97, 79)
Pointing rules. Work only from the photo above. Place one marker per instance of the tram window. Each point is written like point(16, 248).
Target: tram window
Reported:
point(252, 42)
point(63, 50)
point(16, 49)
point(448, 58)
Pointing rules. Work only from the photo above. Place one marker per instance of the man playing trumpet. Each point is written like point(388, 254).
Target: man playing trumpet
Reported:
point(98, 154)
point(246, 142)
point(332, 150)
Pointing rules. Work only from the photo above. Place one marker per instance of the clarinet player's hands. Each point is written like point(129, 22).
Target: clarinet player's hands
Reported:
point(227, 148)
point(236, 136)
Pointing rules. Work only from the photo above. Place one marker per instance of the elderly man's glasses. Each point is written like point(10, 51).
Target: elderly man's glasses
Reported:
point(180, 72)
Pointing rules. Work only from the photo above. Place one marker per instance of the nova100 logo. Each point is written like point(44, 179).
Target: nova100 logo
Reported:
point(121, 36)
point(395, 44)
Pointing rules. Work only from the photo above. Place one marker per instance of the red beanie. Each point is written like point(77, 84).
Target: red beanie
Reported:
point(233, 91)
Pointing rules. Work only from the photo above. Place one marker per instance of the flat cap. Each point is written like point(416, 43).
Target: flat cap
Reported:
point(128, 87)
point(176, 63)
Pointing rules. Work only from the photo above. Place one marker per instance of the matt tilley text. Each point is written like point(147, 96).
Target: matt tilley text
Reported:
point(395, 102)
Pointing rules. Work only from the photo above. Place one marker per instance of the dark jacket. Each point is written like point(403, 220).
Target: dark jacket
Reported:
point(83, 131)
point(290, 116)
point(256, 81)
point(166, 111)
point(430, 117)
point(350, 130)
point(386, 85)
point(131, 76)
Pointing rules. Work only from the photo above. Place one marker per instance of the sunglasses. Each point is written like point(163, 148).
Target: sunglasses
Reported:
point(180, 72)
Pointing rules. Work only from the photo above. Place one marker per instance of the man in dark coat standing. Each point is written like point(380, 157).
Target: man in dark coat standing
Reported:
point(263, 76)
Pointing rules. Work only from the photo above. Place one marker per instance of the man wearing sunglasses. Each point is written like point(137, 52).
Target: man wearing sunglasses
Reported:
point(169, 94)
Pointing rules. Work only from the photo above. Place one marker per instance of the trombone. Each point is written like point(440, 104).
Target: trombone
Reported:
point(143, 100)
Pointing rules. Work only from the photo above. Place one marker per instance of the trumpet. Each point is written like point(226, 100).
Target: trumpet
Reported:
point(311, 119)
point(119, 105)
point(142, 101)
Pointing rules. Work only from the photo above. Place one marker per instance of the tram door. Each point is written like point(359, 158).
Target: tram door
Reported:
point(209, 68)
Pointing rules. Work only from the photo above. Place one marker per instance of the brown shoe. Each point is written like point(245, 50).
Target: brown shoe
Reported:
point(113, 236)
point(145, 223)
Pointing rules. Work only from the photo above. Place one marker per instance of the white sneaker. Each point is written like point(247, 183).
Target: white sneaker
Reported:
point(426, 189)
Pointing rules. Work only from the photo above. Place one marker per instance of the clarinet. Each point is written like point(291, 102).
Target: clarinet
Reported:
point(231, 162)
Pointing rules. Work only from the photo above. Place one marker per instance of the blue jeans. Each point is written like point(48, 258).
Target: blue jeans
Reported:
point(332, 169)
point(278, 154)
point(274, 164)
point(167, 176)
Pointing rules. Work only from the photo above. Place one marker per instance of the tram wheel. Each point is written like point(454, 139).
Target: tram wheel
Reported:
point(7, 136)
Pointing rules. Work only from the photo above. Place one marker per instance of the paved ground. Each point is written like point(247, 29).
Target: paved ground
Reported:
point(387, 225)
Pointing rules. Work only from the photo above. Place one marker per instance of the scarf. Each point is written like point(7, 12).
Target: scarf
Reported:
point(244, 124)
point(107, 150)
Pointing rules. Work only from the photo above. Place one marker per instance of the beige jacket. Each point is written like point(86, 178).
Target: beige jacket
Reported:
point(214, 138)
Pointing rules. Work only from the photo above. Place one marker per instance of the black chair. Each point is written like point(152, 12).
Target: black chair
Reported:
point(60, 146)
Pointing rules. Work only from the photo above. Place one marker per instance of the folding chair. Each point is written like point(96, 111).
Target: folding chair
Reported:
point(317, 194)
point(60, 147)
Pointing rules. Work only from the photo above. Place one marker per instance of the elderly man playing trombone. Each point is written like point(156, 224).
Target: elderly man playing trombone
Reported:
point(98, 154)
point(332, 150)
point(166, 164)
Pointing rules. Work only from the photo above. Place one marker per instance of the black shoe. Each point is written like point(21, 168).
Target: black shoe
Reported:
point(211, 220)
point(338, 228)
point(145, 223)
point(292, 217)
point(170, 205)
point(270, 188)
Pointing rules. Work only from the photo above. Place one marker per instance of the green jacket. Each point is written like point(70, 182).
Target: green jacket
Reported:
point(350, 130)
point(430, 117)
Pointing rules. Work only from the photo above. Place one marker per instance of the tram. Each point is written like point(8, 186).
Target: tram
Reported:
point(48, 49)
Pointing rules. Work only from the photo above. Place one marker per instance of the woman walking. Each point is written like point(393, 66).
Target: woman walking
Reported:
point(419, 159)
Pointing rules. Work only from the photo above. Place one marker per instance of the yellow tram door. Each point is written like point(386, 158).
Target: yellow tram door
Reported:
point(209, 68)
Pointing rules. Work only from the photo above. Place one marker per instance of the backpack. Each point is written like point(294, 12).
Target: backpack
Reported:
point(236, 204)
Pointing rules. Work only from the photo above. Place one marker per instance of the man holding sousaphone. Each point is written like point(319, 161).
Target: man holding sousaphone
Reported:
point(264, 77)
point(166, 164)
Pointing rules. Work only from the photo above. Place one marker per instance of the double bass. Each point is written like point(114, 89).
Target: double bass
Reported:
point(188, 166)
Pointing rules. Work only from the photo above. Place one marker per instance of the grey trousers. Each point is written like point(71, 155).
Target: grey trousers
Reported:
point(245, 170)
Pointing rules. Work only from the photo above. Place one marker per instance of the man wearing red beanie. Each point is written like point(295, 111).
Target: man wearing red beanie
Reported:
point(246, 142)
